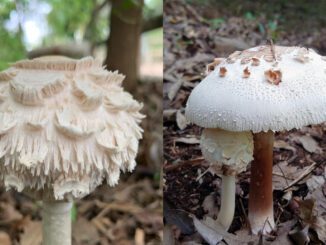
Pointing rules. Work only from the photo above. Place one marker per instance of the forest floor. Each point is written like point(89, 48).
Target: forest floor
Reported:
point(193, 36)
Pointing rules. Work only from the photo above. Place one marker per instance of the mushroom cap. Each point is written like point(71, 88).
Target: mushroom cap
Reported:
point(259, 90)
point(229, 152)
point(65, 126)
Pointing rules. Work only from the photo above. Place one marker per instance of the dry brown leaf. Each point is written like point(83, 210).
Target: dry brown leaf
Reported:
point(8, 213)
point(32, 233)
point(168, 237)
point(84, 232)
point(284, 174)
point(209, 205)
point(211, 236)
point(309, 144)
point(181, 120)
point(174, 89)
point(320, 227)
point(281, 144)
point(315, 182)
point(139, 237)
point(300, 236)
point(4, 238)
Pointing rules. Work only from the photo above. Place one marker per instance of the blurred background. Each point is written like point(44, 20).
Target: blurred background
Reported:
point(126, 35)
point(196, 32)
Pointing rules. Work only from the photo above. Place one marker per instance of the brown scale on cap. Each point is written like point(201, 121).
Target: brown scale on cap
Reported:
point(255, 61)
point(273, 76)
point(246, 73)
point(211, 66)
point(223, 71)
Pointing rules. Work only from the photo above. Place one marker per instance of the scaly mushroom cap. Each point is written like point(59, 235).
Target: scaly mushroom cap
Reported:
point(228, 152)
point(65, 126)
point(263, 88)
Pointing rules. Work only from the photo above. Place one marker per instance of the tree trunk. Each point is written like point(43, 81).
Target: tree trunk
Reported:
point(124, 42)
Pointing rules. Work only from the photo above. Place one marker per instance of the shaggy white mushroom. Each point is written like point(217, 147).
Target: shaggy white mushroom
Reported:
point(262, 90)
point(229, 153)
point(65, 126)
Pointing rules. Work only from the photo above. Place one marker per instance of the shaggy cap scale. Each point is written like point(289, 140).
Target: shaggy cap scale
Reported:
point(65, 126)
point(264, 88)
point(229, 152)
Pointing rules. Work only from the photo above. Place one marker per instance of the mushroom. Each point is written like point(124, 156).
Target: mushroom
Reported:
point(65, 126)
point(285, 89)
point(229, 154)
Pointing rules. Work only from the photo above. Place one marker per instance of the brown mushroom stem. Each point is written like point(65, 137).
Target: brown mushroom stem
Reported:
point(261, 190)
point(56, 223)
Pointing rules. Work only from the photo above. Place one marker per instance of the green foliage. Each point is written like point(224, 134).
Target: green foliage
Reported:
point(68, 21)
point(216, 23)
point(12, 47)
point(153, 8)
point(68, 17)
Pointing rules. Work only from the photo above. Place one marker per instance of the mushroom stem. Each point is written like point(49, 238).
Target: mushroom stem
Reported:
point(261, 190)
point(56, 223)
point(226, 213)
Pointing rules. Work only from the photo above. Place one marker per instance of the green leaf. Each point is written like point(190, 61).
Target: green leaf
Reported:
point(249, 16)
point(216, 23)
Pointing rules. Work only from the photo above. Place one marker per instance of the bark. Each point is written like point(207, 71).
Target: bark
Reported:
point(123, 45)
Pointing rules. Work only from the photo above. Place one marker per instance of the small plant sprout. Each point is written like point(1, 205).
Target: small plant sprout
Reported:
point(261, 90)
point(66, 125)
point(229, 154)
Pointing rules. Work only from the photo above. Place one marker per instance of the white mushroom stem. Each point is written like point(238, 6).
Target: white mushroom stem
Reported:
point(56, 223)
point(226, 213)
point(261, 190)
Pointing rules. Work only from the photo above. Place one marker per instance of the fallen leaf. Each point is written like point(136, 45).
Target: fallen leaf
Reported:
point(209, 205)
point(32, 233)
point(189, 141)
point(168, 237)
point(320, 227)
point(4, 238)
point(84, 232)
point(176, 217)
point(181, 120)
point(8, 213)
point(281, 144)
point(309, 144)
point(174, 89)
point(315, 182)
point(210, 235)
point(139, 237)
point(284, 174)
point(300, 236)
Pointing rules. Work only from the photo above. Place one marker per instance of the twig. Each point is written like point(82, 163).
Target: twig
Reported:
point(287, 183)
point(244, 212)
point(193, 163)
point(304, 174)
point(272, 48)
